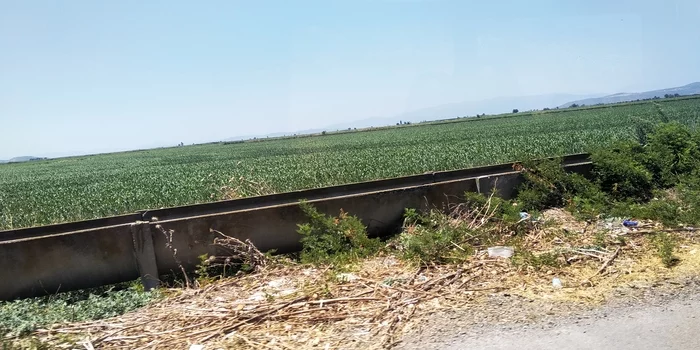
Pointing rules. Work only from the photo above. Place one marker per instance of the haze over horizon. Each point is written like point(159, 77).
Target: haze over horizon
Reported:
point(87, 77)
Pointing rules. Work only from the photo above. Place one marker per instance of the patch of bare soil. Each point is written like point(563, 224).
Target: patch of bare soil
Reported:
point(381, 301)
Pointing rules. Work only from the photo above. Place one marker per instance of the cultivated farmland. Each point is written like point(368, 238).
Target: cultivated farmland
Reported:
point(60, 190)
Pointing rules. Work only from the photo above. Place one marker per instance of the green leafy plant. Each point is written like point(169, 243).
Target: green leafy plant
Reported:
point(617, 173)
point(22, 316)
point(672, 153)
point(443, 236)
point(547, 185)
point(665, 245)
point(338, 239)
point(434, 238)
point(502, 210)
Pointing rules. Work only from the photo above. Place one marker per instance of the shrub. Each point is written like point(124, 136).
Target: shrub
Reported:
point(333, 239)
point(543, 187)
point(665, 210)
point(672, 153)
point(620, 175)
point(665, 246)
point(503, 210)
point(548, 185)
point(433, 238)
point(438, 237)
point(689, 193)
point(588, 207)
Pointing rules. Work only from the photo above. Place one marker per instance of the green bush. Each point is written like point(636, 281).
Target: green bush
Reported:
point(689, 193)
point(625, 177)
point(544, 186)
point(666, 169)
point(438, 237)
point(672, 153)
point(339, 239)
point(434, 238)
point(504, 210)
point(588, 207)
point(548, 185)
point(665, 245)
point(617, 173)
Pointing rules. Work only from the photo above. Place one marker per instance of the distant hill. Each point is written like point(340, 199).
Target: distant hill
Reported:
point(490, 106)
point(446, 111)
point(690, 89)
point(21, 159)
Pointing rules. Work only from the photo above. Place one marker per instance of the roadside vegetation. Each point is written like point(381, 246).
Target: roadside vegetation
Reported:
point(565, 236)
point(23, 316)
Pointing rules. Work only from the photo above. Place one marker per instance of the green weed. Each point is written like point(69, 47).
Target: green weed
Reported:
point(338, 239)
point(434, 238)
point(22, 316)
point(665, 245)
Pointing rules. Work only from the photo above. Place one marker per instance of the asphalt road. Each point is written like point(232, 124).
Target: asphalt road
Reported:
point(672, 325)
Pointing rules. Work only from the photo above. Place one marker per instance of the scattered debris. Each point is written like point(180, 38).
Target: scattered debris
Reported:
point(370, 308)
point(609, 261)
point(346, 277)
point(370, 304)
point(630, 223)
point(500, 252)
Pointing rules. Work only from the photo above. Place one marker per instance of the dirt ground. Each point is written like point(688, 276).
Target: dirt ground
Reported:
point(661, 316)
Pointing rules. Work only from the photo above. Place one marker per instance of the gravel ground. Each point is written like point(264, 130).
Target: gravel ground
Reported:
point(660, 316)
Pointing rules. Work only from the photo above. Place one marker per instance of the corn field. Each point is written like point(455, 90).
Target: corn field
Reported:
point(77, 188)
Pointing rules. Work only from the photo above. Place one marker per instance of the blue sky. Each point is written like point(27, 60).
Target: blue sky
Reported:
point(92, 76)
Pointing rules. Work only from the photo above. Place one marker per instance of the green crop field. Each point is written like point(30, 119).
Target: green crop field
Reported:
point(76, 188)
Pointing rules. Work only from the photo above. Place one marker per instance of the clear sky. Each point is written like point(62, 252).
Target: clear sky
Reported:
point(82, 76)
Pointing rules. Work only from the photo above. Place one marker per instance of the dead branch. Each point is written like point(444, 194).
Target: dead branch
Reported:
point(609, 261)
point(169, 244)
point(238, 250)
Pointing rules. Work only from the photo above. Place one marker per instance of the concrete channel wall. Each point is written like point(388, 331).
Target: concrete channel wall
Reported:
point(45, 260)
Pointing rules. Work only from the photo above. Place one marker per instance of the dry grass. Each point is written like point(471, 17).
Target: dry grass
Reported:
point(294, 307)
point(370, 305)
point(241, 187)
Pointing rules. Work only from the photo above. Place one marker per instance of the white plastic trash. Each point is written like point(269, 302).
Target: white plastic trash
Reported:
point(500, 252)
point(556, 283)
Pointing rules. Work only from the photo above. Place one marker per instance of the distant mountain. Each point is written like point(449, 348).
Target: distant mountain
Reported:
point(446, 111)
point(690, 89)
point(364, 123)
point(21, 159)
point(490, 106)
